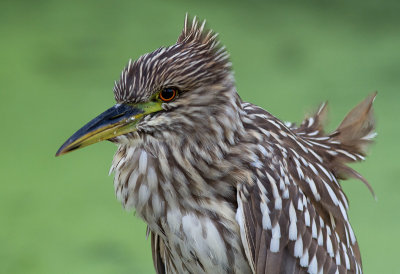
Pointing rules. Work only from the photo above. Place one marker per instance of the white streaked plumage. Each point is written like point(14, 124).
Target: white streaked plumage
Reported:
point(226, 187)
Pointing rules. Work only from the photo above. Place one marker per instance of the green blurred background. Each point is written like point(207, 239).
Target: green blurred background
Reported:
point(58, 62)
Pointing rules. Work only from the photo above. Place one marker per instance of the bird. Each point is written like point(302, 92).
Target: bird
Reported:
point(223, 185)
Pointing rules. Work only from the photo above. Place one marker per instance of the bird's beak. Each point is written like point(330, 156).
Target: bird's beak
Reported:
point(117, 120)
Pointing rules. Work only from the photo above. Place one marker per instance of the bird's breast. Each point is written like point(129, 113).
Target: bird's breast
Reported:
point(197, 243)
point(199, 233)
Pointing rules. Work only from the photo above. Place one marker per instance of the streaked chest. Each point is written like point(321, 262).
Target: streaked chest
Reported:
point(198, 233)
point(194, 243)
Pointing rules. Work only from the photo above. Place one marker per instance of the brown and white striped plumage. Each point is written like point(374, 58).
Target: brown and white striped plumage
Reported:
point(224, 186)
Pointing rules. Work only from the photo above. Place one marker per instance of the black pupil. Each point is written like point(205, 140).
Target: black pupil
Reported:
point(168, 93)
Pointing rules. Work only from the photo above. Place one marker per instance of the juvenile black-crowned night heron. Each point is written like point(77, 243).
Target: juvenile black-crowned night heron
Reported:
point(224, 186)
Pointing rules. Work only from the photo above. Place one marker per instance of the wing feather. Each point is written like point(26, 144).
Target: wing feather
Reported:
point(290, 237)
point(293, 212)
point(156, 253)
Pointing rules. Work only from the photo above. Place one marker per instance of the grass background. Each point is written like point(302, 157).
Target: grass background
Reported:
point(58, 61)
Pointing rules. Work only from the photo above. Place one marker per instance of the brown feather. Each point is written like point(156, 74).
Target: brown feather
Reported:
point(156, 253)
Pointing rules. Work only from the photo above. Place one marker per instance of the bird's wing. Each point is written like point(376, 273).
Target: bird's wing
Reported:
point(292, 214)
point(283, 230)
point(157, 253)
point(285, 235)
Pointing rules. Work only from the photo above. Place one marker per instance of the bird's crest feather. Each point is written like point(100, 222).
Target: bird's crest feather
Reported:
point(194, 32)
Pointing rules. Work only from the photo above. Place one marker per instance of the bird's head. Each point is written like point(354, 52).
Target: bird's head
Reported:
point(182, 88)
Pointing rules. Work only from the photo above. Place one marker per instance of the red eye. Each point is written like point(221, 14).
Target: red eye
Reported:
point(168, 94)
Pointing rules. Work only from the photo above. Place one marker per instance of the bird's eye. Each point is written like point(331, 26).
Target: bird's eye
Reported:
point(168, 94)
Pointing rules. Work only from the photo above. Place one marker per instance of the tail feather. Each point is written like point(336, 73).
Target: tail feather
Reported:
point(354, 135)
point(348, 143)
point(357, 129)
point(313, 125)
